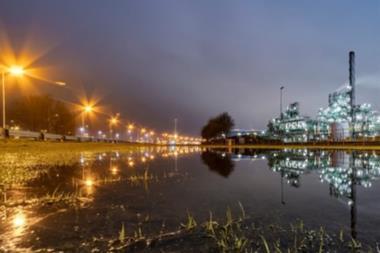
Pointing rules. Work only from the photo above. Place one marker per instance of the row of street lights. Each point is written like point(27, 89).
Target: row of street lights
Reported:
point(133, 132)
point(142, 133)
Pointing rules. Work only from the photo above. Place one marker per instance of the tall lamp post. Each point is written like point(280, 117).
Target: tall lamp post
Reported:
point(15, 71)
point(142, 133)
point(113, 121)
point(130, 128)
point(86, 110)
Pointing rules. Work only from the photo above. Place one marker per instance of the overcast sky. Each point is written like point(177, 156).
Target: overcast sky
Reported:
point(153, 61)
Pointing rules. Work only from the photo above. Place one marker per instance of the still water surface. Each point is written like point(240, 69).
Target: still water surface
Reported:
point(154, 190)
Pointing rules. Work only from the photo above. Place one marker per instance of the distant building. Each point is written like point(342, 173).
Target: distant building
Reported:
point(291, 126)
point(335, 122)
point(341, 120)
point(241, 136)
point(341, 123)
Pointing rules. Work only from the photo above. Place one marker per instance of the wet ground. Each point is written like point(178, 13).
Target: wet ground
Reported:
point(105, 201)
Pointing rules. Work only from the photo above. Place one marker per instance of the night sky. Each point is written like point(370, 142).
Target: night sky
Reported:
point(153, 61)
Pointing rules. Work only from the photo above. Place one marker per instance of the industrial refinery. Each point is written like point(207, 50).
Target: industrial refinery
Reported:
point(341, 120)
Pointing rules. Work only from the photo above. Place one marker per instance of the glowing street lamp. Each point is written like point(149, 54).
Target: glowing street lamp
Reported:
point(14, 71)
point(89, 182)
point(130, 128)
point(151, 133)
point(113, 121)
point(86, 110)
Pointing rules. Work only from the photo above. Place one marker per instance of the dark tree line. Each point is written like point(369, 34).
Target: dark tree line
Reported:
point(38, 113)
point(217, 126)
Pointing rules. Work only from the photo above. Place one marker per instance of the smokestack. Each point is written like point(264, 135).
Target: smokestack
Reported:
point(352, 85)
point(352, 77)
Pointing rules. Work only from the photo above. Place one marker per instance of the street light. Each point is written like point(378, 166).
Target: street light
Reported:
point(15, 71)
point(86, 110)
point(151, 133)
point(113, 121)
point(130, 128)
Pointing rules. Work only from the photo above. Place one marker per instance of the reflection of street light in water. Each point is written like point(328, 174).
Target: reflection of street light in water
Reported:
point(19, 223)
point(88, 185)
point(113, 121)
point(114, 170)
point(89, 182)
point(19, 220)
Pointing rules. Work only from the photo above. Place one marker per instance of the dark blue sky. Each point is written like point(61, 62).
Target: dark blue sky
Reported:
point(156, 60)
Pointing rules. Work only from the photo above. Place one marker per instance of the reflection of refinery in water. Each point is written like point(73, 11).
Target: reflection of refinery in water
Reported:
point(340, 170)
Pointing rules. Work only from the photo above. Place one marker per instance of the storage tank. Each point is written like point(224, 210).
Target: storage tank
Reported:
point(340, 131)
point(340, 159)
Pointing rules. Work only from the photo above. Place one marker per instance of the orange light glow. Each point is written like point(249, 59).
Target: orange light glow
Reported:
point(87, 108)
point(114, 170)
point(19, 220)
point(114, 120)
point(16, 70)
point(60, 83)
point(89, 182)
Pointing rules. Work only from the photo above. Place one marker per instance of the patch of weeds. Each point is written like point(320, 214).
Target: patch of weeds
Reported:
point(122, 235)
point(229, 237)
point(190, 222)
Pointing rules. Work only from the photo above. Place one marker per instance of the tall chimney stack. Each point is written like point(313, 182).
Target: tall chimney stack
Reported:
point(352, 77)
point(352, 93)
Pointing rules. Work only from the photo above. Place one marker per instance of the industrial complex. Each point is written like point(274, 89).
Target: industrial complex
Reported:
point(341, 120)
